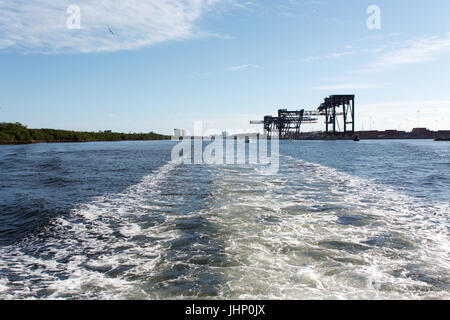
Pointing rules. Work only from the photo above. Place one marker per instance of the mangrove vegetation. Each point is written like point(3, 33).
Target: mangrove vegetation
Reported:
point(11, 133)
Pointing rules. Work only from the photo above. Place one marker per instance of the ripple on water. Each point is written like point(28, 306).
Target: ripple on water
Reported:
point(309, 232)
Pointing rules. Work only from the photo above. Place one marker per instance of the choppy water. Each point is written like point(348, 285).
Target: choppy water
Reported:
point(341, 220)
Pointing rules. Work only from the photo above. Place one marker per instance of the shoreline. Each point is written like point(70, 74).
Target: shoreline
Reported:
point(16, 133)
point(6, 143)
point(364, 138)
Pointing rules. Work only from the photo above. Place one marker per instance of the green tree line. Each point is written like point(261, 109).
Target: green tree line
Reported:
point(18, 133)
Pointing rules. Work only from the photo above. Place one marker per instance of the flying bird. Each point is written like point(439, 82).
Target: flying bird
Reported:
point(110, 30)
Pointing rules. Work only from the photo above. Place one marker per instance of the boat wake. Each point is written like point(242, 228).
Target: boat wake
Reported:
point(236, 232)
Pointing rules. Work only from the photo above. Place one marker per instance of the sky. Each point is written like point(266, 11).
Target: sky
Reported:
point(156, 65)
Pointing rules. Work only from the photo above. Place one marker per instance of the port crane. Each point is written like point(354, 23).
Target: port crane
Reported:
point(288, 124)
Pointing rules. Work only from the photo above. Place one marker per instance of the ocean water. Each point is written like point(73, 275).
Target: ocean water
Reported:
point(340, 220)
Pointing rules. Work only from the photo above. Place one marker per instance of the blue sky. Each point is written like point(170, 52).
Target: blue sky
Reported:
point(224, 62)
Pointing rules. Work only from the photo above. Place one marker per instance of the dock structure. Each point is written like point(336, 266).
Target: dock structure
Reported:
point(330, 108)
point(288, 124)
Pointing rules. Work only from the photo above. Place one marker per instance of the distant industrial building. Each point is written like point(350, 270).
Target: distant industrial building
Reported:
point(423, 133)
point(179, 132)
point(443, 134)
point(416, 133)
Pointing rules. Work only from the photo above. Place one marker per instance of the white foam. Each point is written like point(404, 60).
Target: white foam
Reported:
point(96, 239)
point(281, 235)
point(298, 250)
point(3, 285)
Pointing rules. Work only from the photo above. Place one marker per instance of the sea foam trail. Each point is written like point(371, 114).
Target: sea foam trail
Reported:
point(312, 232)
point(94, 251)
point(308, 232)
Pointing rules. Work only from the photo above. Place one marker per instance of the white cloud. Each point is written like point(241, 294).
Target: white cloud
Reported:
point(241, 67)
point(333, 55)
point(403, 115)
point(442, 104)
point(40, 25)
point(348, 86)
point(413, 51)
